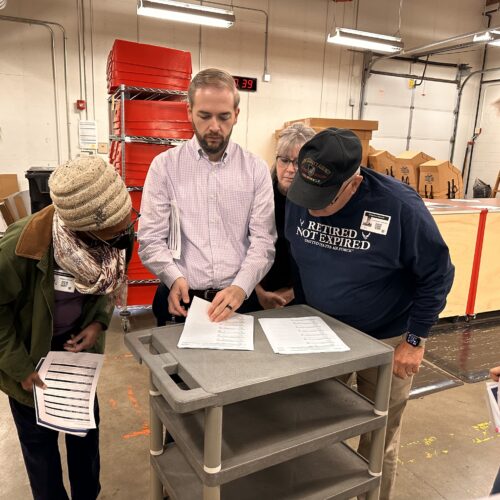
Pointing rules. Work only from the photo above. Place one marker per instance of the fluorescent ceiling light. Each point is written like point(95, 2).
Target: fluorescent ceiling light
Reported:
point(186, 13)
point(365, 40)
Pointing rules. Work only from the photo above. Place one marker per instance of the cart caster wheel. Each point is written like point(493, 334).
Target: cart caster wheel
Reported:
point(125, 325)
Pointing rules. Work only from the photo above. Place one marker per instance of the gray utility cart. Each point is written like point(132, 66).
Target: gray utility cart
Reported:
point(258, 425)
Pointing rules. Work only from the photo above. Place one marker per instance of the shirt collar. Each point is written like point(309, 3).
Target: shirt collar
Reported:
point(199, 153)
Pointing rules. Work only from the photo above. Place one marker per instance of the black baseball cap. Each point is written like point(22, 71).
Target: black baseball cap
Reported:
point(325, 162)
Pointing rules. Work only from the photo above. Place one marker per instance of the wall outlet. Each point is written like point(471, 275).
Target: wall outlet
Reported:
point(103, 148)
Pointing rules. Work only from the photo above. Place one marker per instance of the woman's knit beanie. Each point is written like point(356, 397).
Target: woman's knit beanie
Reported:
point(89, 195)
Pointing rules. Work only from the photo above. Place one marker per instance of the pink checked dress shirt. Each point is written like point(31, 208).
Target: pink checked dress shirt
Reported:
point(226, 213)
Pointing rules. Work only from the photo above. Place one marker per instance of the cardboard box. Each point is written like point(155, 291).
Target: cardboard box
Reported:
point(383, 162)
point(440, 179)
point(362, 128)
point(6, 214)
point(8, 185)
point(407, 167)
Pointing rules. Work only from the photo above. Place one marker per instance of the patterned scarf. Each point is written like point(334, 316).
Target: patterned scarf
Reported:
point(98, 269)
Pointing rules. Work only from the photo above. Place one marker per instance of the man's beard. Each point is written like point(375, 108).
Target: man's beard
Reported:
point(217, 148)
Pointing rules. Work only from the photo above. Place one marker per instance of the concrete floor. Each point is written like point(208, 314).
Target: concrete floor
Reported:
point(448, 450)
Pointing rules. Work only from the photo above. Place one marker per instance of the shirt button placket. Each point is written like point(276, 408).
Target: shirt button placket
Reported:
point(212, 220)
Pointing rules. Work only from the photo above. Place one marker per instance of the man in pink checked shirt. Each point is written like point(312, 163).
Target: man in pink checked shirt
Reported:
point(225, 201)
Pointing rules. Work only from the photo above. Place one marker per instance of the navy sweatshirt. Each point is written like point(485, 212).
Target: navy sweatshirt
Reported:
point(379, 264)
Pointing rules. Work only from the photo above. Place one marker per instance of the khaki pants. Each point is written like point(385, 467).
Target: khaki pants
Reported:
point(400, 391)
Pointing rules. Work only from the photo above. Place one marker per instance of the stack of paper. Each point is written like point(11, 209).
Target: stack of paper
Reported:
point(301, 335)
point(199, 332)
point(174, 231)
point(67, 405)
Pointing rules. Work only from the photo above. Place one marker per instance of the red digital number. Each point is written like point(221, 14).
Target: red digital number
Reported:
point(250, 84)
point(244, 83)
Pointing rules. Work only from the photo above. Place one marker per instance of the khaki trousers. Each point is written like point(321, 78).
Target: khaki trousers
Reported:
point(400, 391)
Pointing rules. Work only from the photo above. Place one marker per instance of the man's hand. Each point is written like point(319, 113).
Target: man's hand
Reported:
point(226, 303)
point(33, 378)
point(178, 292)
point(407, 360)
point(495, 373)
point(274, 300)
point(85, 339)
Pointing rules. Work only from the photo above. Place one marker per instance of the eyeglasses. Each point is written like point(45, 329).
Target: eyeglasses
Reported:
point(126, 231)
point(286, 161)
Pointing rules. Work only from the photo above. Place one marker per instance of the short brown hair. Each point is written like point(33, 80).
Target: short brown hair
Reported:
point(213, 77)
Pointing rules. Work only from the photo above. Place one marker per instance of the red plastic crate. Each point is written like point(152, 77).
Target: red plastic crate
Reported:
point(151, 66)
point(136, 269)
point(122, 67)
point(138, 158)
point(151, 55)
point(140, 295)
point(153, 110)
point(161, 134)
point(136, 197)
point(137, 152)
point(152, 81)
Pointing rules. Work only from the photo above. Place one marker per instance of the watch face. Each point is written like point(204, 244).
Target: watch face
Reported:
point(413, 340)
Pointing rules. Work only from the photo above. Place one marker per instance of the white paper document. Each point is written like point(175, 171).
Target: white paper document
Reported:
point(301, 335)
point(67, 405)
point(174, 233)
point(235, 333)
point(494, 404)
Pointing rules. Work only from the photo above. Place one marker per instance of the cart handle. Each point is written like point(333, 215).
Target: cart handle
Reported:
point(161, 367)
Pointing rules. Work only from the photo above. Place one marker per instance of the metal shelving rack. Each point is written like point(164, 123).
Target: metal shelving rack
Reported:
point(128, 93)
point(254, 424)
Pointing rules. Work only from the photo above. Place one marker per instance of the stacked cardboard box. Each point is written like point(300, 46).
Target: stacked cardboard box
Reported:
point(440, 179)
point(362, 128)
point(12, 201)
point(383, 162)
point(407, 167)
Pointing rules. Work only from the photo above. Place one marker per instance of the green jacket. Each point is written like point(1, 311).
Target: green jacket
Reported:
point(27, 301)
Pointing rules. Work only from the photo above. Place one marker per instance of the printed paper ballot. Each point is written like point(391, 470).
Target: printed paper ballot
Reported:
point(199, 332)
point(67, 405)
point(301, 335)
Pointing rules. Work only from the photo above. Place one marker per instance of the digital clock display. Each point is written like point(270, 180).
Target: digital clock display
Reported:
point(245, 83)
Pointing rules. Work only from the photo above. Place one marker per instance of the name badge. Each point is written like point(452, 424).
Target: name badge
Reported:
point(63, 282)
point(375, 223)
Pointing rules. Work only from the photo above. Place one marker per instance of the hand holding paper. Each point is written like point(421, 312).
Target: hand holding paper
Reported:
point(199, 332)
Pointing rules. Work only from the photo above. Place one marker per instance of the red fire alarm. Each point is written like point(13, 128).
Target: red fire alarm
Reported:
point(81, 104)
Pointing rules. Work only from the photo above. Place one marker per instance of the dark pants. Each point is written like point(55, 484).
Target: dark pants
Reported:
point(160, 306)
point(496, 484)
point(42, 458)
point(43, 461)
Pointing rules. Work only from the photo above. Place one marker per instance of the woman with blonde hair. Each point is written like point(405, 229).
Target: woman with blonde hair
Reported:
point(275, 290)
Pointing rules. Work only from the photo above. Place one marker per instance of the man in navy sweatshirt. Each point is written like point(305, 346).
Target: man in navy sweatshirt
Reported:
point(367, 252)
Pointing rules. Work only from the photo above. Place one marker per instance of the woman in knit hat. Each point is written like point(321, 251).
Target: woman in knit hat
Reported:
point(61, 269)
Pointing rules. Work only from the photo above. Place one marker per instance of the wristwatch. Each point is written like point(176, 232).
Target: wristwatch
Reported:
point(414, 340)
